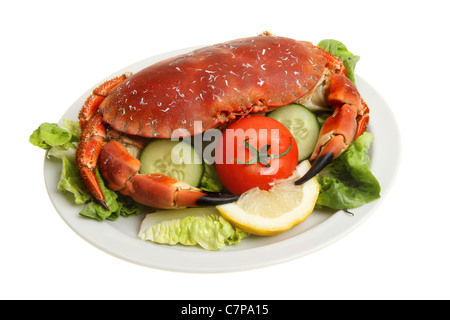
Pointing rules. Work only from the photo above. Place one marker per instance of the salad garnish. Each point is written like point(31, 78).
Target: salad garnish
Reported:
point(346, 183)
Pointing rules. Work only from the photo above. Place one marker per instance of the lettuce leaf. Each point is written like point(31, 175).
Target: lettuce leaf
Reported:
point(210, 180)
point(70, 182)
point(73, 127)
point(347, 182)
point(339, 50)
point(49, 135)
point(192, 226)
point(61, 142)
point(118, 205)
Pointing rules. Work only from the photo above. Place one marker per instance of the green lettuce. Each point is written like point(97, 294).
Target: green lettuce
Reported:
point(61, 142)
point(49, 135)
point(73, 127)
point(192, 226)
point(70, 182)
point(347, 182)
point(339, 50)
point(118, 205)
point(210, 180)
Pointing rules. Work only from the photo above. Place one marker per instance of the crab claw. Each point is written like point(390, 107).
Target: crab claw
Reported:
point(121, 173)
point(163, 192)
point(349, 120)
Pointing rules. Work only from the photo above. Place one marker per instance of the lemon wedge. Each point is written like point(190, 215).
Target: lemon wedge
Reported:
point(271, 212)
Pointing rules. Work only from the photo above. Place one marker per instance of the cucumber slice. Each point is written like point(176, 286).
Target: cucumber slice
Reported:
point(303, 125)
point(176, 159)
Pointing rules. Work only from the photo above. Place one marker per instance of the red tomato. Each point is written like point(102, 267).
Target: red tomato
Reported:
point(253, 152)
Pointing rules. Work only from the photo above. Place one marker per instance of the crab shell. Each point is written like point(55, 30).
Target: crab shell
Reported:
point(214, 85)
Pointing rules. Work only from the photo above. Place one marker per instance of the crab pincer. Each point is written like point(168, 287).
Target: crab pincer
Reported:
point(348, 121)
point(121, 172)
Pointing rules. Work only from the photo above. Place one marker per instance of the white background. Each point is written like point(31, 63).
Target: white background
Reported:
point(53, 51)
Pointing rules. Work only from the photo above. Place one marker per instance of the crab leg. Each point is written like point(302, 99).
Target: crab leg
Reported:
point(348, 121)
point(92, 103)
point(91, 142)
point(92, 137)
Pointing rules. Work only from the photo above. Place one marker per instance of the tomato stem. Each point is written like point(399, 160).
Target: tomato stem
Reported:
point(261, 155)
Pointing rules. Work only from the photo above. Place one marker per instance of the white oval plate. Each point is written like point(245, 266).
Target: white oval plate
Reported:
point(119, 238)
